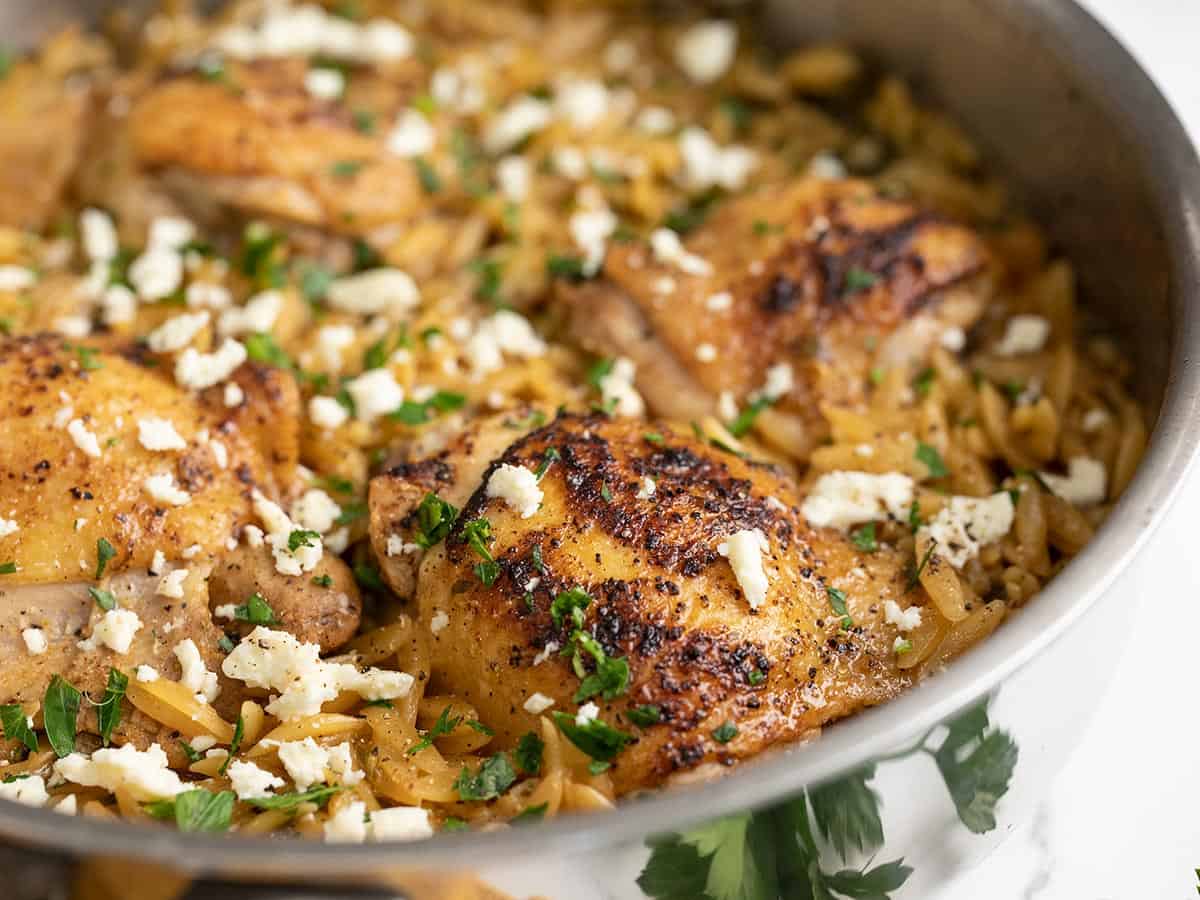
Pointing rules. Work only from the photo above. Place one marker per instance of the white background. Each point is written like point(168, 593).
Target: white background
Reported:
point(1123, 822)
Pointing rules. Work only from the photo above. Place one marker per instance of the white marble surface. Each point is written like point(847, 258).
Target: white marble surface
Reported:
point(1123, 821)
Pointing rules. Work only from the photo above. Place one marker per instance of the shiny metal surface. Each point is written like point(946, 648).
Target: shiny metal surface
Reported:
point(1068, 114)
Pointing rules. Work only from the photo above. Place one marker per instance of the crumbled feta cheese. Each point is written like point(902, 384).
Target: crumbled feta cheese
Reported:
point(617, 389)
point(147, 674)
point(827, 167)
point(516, 486)
point(288, 561)
point(249, 781)
point(1023, 334)
point(707, 165)
point(727, 407)
point(225, 611)
point(439, 622)
point(383, 291)
point(7, 527)
point(158, 563)
point(570, 162)
point(253, 535)
point(307, 30)
point(412, 135)
point(16, 278)
point(546, 652)
point(538, 703)
point(219, 452)
point(669, 249)
point(521, 118)
point(620, 56)
point(197, 371)
point(953, 339)
point(143, 773)
point(326, 412)
point(348, 825)
point(118, 305)
point(157, 273)
point(1085, 483)
point(171, 584)
point(903, 619)
point(587, 713)
point(233, 395)
point(744, 550)
point(512, 175)
point(705, 50)
point(382, 40)
point(28, 791)
point(706, 353)
point(177, 332)
point(99, 235)
point(583, 103)
point(162, 489)
point(780, 381)
point(503, 333)
point(114, 630)
point(196, 676)
point(306, 762)
point(170, 232)
point(841, 499)
point(159, 435)
point(84, 439)
point(68, 805)
point(719, 302)
point(375, 393)
point(73, 326)
point(647, 488)
point(965, 524)
point(275, 660)
point(655, 120)
point(204, 294)
point(400, 823)
point(590, 229)
point(259, 314)
point(324, 84)
point(1095, 419)
point(316, 511)
point(397, 546)
point(35, 641)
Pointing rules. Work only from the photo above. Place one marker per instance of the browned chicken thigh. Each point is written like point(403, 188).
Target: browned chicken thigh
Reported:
point(633, 549)
point(119, 492)
point(824, 277)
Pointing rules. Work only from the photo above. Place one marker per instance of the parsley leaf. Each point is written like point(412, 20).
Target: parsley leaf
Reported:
point(318, 794)
point(847, 813)
point(837, 600)
point(611, 676)
point(864, 538)
point(494, 777)
point(196, 810)
point(443, 726)
point(16, 726)
point(104, 555)
point(745, 419)
point(104, 599)
point(193, 755)
point(645, 715)
point(60, 708)
point(530, 814)
point(725, 732)
point(108, 711)
point(923, 383)
point(256, 611)
point(412, 412)
point(595, 738)
point(8, 568)
point(435, 518)
point(932, 459)
point(858, 280)
point(548, 457)
point(563, 266)
point(570, 603)
point(976, 763)
point(529, 753)
point(239, 732)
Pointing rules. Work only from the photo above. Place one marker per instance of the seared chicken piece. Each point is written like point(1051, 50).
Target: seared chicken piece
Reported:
point(825, 276)
point(662, 596)
point(258, 143)
point(75, 470)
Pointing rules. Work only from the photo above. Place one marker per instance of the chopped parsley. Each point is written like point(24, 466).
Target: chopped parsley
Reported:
point(193, 755)
point(364, 121)
point(530, 814)
point(314, 282)
point(323, 581)
point(488, 286)
point(60, 709)
point(8, 568)
point(914, 576)
point(351, 512)
point(87, 359)
point(410, 412)
point(933, 461)
point(367, 575)
point(605, 493)
point(923, 382)
point(837, 600)
point(259, 260)
point(745, 419)
point(319, 794)
point(653, 437)
point(529, 753)
point(902, 646)
point(256, 611)
point(302, 538)
point(914, 516)
point(609, 679)
point(431, 182)
point(16, 726)
point(196, 810)
point(756, 677)
point(858, 279)
point(725, 732)
point(239, 732)
point(688, 218)
point(645, 715)
point(476, 725)
point(494, 777)
point(104, 555)
point(548, 457)
point(570, 603)
point(445, 724)
point(345, 168)
point(595, 738)
point(477, 533)
point(435, 518)
point(108, 710)
point(104, 599)
point(864, 538)
point(559, 265)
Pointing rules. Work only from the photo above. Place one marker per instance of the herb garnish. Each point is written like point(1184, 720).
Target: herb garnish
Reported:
point(837, 600)
point(16, 726)
point(443, 726)
point(108, 711)
point(529, 753)
point(411, 412)
point(595, 738)
point(239, 732)
point(494, 777)
point(858, 280)
point(256, 610)
point(477, 533)
point(319, 795)
point(864, 538)
point(645, 715)
point(548, 457)
point(60, 708)
point(104, 599)
point(745, 419)
point(725, 732)
point(933, 461)
point(196, 810)
point(104, 554)
point(570, 603)
point(435, 518)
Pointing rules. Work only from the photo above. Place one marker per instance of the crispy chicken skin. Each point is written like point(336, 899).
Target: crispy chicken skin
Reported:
point(268, 148)
point(827, 276)
point(63, 501)
point(663, 597)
